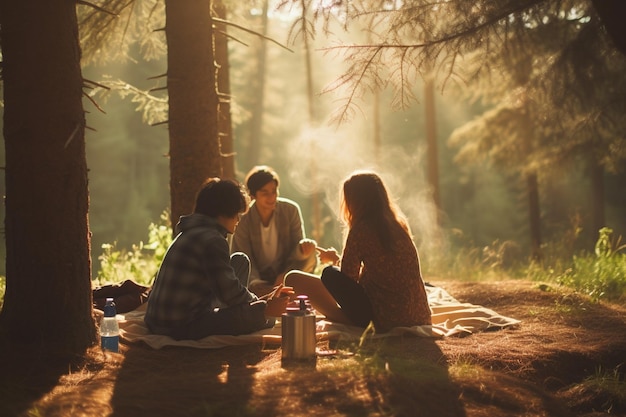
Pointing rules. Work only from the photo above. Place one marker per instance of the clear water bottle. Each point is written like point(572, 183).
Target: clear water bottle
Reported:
point(109, 329)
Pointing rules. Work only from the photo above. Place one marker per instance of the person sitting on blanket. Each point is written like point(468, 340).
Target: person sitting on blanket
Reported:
point(379, 279)
point(199, 289)
point(272, 233)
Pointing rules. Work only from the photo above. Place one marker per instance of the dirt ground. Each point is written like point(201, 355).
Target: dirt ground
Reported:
point(565, 359)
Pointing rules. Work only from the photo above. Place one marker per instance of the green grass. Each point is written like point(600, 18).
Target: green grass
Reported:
point(140, 263)
point(601, 275)
point(608, 386)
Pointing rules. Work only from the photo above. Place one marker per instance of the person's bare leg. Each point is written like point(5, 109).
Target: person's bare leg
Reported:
point(311, 285)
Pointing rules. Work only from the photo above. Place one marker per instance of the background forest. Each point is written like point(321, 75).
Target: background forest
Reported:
point(497, 124)
point(481, 198)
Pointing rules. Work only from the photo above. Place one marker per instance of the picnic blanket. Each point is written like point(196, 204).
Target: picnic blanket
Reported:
point(449, 318)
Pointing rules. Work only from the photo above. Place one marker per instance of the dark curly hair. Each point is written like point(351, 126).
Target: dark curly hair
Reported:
point(219, 197)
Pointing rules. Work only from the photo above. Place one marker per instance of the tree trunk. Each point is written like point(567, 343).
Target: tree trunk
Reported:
point(308, 65)
point(432, 152)
point(376, 127)
point(534, 214)
point(597, 196)
point(47, 304)
point(317, 229)
point(193, 103)
point(223, 87)
point(532, 183)
point(258, 89)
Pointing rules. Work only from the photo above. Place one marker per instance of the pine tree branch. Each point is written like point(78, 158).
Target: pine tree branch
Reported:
point(96, 7)
point(492, 20)
point(158, 76)
point(120, 85)
point(232, 37)
point(94, 102)
point(96, 84)
point(226, 22)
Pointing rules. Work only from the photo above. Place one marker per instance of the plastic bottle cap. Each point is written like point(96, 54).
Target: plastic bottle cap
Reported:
point(109, 308)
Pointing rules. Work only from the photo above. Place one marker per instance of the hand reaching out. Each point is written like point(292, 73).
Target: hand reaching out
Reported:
point(329, 255)
point(307, 246)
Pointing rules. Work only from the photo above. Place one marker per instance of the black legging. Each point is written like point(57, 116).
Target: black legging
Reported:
point(349, 295)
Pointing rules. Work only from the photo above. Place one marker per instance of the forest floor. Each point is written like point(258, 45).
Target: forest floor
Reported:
point(565, 359)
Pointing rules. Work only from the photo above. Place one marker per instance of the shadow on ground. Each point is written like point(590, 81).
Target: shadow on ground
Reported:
point(184, 382)
point(392, 376)
point(24, 378)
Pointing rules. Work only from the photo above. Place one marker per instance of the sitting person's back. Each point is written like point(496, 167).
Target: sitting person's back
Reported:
point(199, 288)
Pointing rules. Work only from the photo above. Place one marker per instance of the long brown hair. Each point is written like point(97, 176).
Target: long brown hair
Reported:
point(365, 199)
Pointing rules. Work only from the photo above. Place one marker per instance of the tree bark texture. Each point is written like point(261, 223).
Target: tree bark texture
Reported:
point(47, 303)
point(223, 88)
point(193, 103)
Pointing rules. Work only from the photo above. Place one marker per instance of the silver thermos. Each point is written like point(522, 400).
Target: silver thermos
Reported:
point(298, 332)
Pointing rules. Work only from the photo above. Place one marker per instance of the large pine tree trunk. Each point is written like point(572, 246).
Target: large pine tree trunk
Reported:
point(47, 303)
point(194, 143)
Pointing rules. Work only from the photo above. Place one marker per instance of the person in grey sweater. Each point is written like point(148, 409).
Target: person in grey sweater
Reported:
point(272, 234)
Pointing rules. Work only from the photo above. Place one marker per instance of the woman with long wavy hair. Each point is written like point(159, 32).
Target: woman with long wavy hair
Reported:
point(377, 278)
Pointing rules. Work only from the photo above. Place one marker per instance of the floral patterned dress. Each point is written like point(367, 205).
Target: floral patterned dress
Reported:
point(391, 279)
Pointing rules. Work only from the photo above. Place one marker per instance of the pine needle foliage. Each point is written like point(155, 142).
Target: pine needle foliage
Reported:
point(111, 29)
point(550, 59)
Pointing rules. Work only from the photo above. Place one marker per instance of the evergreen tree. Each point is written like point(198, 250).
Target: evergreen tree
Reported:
point(193, 103)
point(223, 85)
point(47, 304)
point(549, 68)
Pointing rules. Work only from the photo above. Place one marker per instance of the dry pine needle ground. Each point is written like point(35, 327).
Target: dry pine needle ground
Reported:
point(565, 359)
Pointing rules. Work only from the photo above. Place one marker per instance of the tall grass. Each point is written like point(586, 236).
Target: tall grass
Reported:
point(465, 261)
point(141, 262)
point(600, 274)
